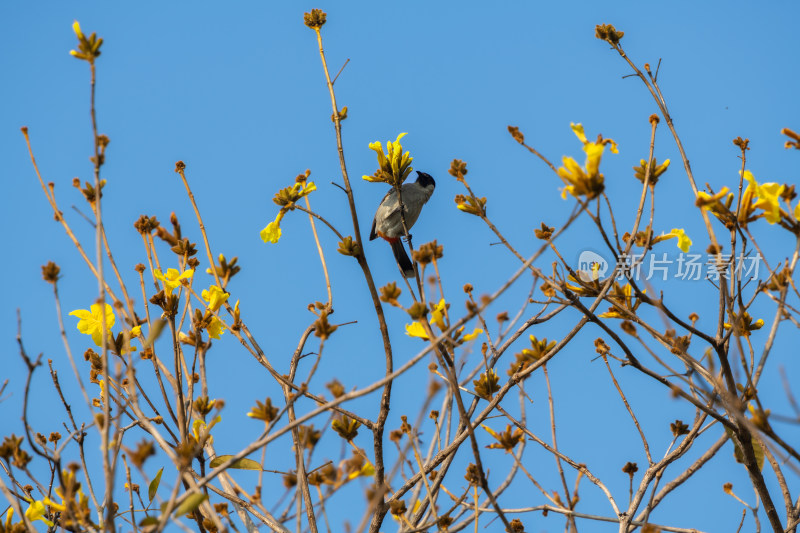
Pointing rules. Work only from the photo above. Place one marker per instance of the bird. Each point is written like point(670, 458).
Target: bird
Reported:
point(388, 224)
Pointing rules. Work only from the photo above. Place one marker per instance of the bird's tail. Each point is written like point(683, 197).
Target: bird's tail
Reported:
point(402, 258)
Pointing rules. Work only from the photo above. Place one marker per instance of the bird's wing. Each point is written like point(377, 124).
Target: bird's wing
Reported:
point(385, 209)
point(372, 234)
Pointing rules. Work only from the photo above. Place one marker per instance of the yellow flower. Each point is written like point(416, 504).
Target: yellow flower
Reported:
point(172, 278)
point(577, 129)
point(506, 440)
point(9, 515)
point(76, 27)
point(593, 154)
point(289, 195)
point(684, 242)
point(273, 230)
point(236, 315)
point(706, 200)
point(69, 480)
point(202, 431)
point(215, 328)
point(743, 324)
point(623, 297)
point(719, 204)
point(471, 204)
point(286, 198)
point(473, 335)
point(91, 322)
point(305, 190)
point(439, 318)
point(366, 470)
point(272, 233)
point(415, 329)
point(74, 506)
point(438, 314)
point(585, 182)
point(36, 511)
point(124, 344)
point(656, 170)
point(394, 166)
point(88, 47)
point(768, 197)
point(215, 297)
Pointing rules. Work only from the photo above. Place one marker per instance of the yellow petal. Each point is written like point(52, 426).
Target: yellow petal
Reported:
point(748, 176)
point(215, 297)
point(366, 470)
point(216, 328)
point(684, 242)
point(196, 427)
point(76, 27)
point(594, 152)
point(109, 314)
point(769, 200)
point(768, 195)
point(310, 186)
point(571, 171)
point(36, 511)
point(438, 314)
point(272, 233)
point(415, 329)
point(490, 431)
point(577, 129)
point(473, 335)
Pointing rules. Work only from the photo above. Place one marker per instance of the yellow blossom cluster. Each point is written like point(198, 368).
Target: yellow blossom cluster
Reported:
point(585, 181)
point(394, 166)
point(440, 319)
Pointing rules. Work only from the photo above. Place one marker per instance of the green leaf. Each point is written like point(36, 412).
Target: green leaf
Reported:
point(155, 333)
point(738, 454)
point(191, 503)
point(241, 464)
point(759, 453)
point(151, 490)
point(149, 521)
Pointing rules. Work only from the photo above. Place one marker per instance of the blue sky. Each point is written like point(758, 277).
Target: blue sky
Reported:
point(237, 93)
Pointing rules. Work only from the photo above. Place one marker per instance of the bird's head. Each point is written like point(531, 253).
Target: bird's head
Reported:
point(425, 180)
